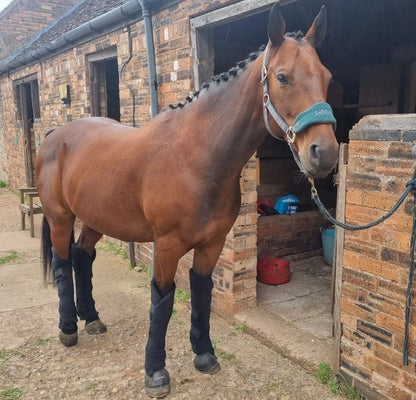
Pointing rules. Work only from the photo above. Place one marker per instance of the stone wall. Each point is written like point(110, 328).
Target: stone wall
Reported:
point(376, 260)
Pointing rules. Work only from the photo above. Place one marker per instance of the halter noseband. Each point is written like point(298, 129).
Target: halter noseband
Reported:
point(319, 113)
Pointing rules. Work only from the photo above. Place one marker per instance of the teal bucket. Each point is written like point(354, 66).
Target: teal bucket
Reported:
point(328, 240)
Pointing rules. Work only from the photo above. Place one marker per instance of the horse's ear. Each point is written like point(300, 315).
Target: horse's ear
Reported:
point(277, 26)
point(317, 31)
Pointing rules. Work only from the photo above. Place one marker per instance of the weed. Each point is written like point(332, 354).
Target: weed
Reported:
point(325, 376)
point(240, 328)
point(12, 394)
point(223, 354)
point(42, 341)
point(147, 269)
point(350, 391)
point(334, 385)
point(10, 257)
point(324, 372)
point(91, 386)
point(4, 355)
point(182, 296)
point(2, 184)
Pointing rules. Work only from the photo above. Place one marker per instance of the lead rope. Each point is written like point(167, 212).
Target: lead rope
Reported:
point(410, 188)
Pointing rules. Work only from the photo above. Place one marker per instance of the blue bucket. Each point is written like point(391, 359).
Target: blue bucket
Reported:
point(328, 240)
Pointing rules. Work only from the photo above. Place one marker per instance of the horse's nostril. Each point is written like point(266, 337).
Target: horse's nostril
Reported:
point(314, 151)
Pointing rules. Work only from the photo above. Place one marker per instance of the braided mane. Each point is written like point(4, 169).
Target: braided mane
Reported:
point(220, 78)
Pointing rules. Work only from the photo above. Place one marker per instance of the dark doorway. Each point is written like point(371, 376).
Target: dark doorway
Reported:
point(27, 102)
point(105, 97)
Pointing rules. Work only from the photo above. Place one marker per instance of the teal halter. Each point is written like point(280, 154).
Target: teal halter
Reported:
point(319, 113)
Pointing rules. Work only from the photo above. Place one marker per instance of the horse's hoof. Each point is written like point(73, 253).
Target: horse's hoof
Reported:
point(95, 327)
point(68, 339)
point(158, 385)
point(207, 363)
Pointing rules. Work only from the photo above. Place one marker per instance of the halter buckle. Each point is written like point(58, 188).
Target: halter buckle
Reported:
point(291, 135)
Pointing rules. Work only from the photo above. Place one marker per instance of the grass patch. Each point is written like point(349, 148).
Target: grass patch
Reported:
point(91, 386)
point(42, 341)
point(324, 372)
point(225, 355)
point(115, 250)
point(182, 296)
point(2, 184)
point(221, 353)
point(12, 394)
point(4, 356)
point(9, 257)
point(241, 328)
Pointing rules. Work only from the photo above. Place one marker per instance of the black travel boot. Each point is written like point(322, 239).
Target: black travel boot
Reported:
point(201, 288)
point(82, 264)
point(157, 380)
point(67, 311)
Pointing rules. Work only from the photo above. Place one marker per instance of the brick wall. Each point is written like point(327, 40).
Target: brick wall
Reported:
point(375, 261)
point(24, 18)
point(4, 169)
point(293, 237)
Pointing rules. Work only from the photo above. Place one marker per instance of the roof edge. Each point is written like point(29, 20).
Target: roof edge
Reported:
point(128, 11)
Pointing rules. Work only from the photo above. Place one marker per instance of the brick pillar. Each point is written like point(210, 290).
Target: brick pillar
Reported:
point(236, 270)
point(375, 261)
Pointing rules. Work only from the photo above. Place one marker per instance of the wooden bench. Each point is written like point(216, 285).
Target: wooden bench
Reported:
point(28, 207)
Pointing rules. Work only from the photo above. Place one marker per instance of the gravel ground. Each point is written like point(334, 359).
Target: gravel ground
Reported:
point(34, 365)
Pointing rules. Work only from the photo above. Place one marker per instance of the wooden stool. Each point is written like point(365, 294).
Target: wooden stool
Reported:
point(30, 208)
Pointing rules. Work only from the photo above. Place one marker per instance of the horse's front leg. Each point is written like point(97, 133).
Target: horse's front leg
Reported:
point(201, 284)
point(157, 381)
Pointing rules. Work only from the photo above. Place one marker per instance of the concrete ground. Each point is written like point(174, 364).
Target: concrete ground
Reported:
point(295, 318)
point(110, 366)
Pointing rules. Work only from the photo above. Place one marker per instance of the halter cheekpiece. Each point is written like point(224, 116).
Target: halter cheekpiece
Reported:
point(319, 113)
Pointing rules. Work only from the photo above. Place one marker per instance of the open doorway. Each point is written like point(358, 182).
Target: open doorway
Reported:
point(104, 80)
point(27, 104)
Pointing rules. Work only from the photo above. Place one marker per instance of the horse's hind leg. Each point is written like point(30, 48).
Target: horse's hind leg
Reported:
point(61, 235)
point(201, 284)
point(83, 255)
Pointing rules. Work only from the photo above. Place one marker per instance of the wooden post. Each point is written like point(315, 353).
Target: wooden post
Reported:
point(339, 249)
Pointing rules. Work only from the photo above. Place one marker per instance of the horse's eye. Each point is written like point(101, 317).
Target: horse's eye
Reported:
point(282, 79)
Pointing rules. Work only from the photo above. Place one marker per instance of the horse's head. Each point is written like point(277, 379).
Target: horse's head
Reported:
point(295, 87)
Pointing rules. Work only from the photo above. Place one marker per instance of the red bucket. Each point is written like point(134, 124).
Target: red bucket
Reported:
point(273, 271)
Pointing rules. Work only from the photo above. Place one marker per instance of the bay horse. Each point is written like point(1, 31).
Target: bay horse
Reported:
point(175, 182)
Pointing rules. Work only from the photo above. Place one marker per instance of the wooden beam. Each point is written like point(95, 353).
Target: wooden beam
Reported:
point(338, 251)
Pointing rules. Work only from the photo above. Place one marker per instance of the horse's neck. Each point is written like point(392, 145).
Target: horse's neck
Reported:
point(233, 125)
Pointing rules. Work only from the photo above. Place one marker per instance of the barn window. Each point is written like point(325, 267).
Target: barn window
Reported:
point(26, 92)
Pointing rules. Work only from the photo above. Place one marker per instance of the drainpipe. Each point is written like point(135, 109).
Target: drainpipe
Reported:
point(151, 62)
point(151, 65)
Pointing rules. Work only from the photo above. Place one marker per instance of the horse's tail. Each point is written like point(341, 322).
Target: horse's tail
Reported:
point(46, 251)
